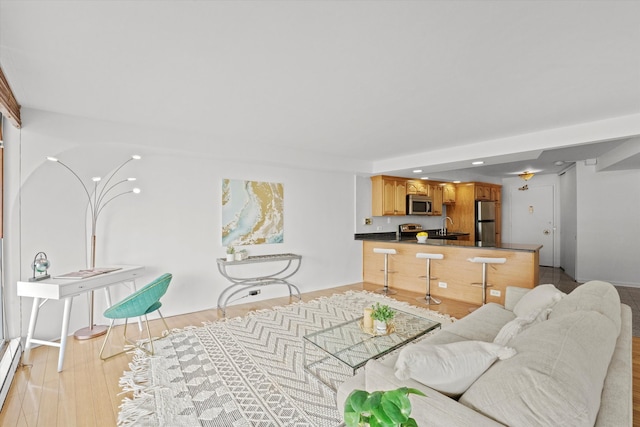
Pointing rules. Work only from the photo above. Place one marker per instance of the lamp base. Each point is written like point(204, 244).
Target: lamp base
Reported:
point(88, 333)
point(38, 278)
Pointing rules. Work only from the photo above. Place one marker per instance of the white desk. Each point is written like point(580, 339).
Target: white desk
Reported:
point(66, 289)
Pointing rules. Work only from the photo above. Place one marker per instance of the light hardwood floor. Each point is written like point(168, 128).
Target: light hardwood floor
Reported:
point(86, 393)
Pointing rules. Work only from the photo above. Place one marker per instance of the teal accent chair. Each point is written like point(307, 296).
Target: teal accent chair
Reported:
point(140, 303)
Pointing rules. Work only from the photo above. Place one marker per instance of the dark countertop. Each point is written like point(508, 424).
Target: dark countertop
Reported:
point(392, 238)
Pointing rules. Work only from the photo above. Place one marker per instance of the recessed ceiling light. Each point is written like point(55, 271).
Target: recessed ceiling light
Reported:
point(417, 170)
point(558, 163)
point(456, 182)
point(479, 162)
point(425, 177)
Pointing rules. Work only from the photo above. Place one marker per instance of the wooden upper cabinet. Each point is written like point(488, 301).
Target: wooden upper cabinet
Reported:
point(495, 193)
point(417, 186)
point(389, 195)
point(483, 192)
point(436, 199)
point(448, 194)
point(488, 192)
point(401, 198)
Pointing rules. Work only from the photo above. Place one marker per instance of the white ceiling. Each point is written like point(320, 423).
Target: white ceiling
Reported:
point(393, 84)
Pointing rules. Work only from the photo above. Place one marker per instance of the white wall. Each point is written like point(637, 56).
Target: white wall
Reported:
point(608, 225)
point(174, 225)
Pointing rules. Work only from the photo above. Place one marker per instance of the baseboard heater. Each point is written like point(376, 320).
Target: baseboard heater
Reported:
point(8, 366)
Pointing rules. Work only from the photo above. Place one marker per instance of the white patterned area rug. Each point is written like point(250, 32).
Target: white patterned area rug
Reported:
point(246, 371)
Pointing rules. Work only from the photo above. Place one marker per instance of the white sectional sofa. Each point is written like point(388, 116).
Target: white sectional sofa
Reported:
point(572, 369)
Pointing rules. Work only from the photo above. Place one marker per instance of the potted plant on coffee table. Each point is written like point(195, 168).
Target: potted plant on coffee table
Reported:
point(381, 315)
point(389, 408)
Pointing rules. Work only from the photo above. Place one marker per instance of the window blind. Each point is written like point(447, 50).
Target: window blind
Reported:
point(9, 106)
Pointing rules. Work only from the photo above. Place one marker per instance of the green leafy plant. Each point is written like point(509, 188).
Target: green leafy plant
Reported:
point(231, 250)
point(382, 313)
point(389, 408)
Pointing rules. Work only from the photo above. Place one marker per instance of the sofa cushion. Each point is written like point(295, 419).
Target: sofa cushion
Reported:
point(433, 410)
point(482, 324)
point(556, 377)
point(539, 298)
point(448, 368)
point(519, 324)
point(598, 296)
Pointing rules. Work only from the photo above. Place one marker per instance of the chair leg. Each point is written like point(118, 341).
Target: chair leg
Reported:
point(165, 324)
point(106, 339)
point(133, 343)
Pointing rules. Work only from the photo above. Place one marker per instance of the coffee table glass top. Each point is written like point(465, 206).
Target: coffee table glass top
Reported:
point(348, 343)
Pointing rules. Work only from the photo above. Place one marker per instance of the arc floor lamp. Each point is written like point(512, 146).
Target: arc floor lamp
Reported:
point(103, 193)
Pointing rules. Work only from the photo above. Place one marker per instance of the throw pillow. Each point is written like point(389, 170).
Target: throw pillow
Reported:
point(519, 324)
point(448, 368)
point(542, 296)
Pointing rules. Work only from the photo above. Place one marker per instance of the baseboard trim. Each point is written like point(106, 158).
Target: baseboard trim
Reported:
point(8, 366)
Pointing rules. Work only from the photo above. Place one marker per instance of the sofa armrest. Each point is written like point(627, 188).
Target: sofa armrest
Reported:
point(434, 410)
point(512, 296)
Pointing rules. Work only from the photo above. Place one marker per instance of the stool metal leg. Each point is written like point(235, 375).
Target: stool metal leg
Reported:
point(385, 290)
point(484, 284)
point(428, 297)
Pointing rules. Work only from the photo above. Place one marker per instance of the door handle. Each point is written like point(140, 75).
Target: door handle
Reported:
point(546, 232)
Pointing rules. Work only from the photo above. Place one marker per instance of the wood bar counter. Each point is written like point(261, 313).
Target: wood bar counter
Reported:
point(521, 268)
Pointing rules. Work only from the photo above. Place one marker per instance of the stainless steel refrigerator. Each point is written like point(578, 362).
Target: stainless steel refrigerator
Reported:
point(486, 223)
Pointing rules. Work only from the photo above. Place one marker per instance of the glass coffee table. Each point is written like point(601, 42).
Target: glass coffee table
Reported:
point(352, 346)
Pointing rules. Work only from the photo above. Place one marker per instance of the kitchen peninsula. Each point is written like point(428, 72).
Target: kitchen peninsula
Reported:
point(407, 272)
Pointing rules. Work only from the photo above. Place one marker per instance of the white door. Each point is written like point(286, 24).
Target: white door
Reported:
point(532, 220)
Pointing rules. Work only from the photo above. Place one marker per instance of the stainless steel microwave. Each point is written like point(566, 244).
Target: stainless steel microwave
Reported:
point(419, 205)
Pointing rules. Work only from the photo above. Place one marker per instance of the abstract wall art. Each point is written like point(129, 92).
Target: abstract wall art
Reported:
point(252, 212)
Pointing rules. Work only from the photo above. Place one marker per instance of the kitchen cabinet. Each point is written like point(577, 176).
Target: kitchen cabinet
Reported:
point(436, 199)
point(463, 211)
point(389, 195)
point(417, 186)
point(498, 223)
point(495, 193)
point(483, 192)
point(448, 194)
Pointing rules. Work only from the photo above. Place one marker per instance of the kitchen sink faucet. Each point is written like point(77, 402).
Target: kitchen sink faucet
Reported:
point(444, 224)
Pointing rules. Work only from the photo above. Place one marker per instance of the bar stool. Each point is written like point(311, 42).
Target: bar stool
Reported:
point(386, 253)
point(484, 261)
point(429, 257)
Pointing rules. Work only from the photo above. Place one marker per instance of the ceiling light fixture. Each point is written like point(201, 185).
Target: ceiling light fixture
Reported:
point(558, 163)
point(425, 177)
point(478, 162)
point(526, 175)
point(417, 170)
